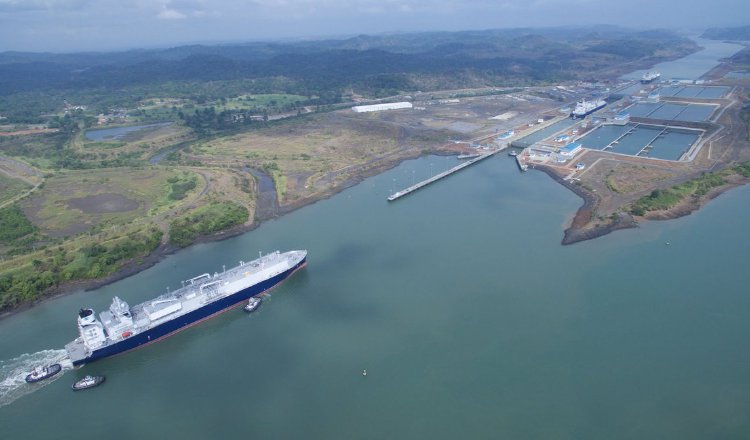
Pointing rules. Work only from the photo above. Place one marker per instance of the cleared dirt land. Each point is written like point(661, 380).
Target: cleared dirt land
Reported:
point(310, 158)
point(72, 202)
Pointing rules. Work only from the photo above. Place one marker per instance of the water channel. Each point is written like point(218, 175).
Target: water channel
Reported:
point(469, 316)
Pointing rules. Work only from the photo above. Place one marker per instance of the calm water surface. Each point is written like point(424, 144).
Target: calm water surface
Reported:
point(695, 65)
point(468, 315)
point(470, 318)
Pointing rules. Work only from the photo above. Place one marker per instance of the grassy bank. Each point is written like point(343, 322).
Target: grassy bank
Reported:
point(209, 219)
point(663, 199)
point(56, 265)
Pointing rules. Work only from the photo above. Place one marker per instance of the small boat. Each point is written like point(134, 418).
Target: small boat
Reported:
point(41, 373)
point(252, 304)
point(88, 382)
point(513, 153)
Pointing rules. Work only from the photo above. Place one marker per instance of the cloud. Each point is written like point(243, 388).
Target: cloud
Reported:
point(181, 9)
point(12, 6)
point(171, 14)
point(66, 24)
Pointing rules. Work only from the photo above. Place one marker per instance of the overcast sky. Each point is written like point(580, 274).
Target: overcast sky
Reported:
point(74, 25)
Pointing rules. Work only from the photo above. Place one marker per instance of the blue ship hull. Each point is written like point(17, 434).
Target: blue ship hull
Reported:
point(575, 116)
point(170, 327)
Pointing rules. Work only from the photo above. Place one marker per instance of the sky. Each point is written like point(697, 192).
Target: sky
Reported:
point(85, 25)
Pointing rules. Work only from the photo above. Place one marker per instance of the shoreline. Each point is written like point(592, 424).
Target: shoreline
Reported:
point(578, 230)
point(581, 230)
point(137, 265)
point(693, 204)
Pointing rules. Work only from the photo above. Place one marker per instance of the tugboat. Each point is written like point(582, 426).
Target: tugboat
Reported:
point(41, 373)
point(88, 382)
point(252, 304)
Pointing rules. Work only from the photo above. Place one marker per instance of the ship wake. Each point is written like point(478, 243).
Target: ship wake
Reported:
point(13, 373)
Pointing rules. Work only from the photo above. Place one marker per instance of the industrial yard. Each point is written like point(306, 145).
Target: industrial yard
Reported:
point(654, 136)
point(648, 136)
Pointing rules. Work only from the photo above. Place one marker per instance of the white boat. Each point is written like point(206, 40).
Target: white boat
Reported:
point(649, 77)
point(88, 382)
point(252, 304)
point(585, 108)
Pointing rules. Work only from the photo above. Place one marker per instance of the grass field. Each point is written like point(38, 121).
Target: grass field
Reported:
point(10, 187)
point(628, 178)
point(75, 201)
point(661, 199)
point(307, 156)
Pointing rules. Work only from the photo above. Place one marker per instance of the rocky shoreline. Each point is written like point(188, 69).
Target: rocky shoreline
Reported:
point(581, 228)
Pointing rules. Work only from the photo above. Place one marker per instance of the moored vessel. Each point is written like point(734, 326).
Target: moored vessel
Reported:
point(584, 108)
point(123, 328)
point(649, 77)
point(41, 373)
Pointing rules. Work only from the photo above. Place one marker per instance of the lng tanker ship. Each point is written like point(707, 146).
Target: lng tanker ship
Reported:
point(123, 328)
point(584, 108)
point(650, 77)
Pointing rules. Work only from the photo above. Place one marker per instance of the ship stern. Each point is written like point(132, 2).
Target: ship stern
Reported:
point(76, 352)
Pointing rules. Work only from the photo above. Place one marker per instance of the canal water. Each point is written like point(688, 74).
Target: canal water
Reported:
point(712, 92)
point(468, 315)
point(693, 66)
point(672, 111)
point(633, 139)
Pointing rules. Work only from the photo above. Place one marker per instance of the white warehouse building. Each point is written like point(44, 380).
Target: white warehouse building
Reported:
point(379, 107)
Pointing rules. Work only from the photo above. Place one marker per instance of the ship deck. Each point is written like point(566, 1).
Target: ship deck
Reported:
point(195, 293)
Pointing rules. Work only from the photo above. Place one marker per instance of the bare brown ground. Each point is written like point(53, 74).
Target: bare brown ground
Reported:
point(103, 203)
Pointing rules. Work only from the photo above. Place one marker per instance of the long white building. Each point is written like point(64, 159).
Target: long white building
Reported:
point(380, 107)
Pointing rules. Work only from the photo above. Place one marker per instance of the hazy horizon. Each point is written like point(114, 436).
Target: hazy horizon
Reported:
point(107, 25)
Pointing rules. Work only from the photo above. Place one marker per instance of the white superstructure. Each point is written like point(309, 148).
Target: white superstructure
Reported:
point(133, 326)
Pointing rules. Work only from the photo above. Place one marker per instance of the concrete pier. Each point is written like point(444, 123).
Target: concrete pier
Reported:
point(435, 178)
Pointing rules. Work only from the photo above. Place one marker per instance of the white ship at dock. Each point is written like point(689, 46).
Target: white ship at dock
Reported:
point(649, 77)
point(584, 108)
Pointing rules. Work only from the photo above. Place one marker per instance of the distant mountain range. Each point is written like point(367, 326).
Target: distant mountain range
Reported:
point(367, 65)
point(740, 33)
point(528, 51)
